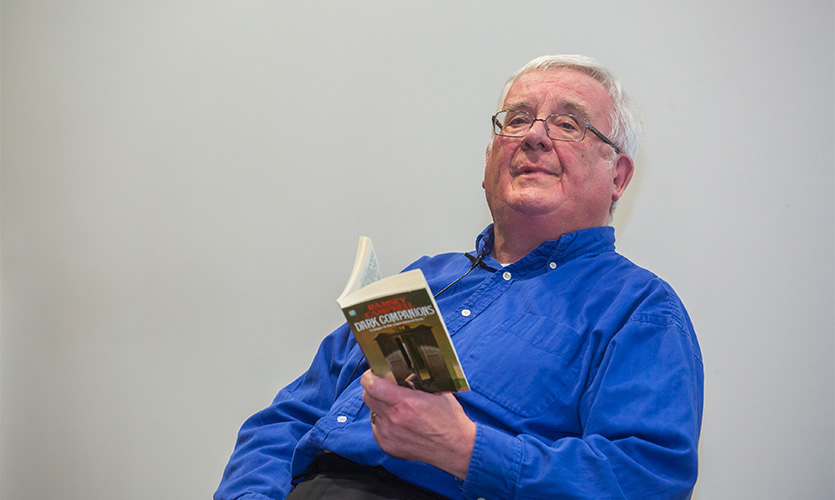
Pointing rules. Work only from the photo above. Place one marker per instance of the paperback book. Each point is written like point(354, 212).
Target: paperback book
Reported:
point(399, 327)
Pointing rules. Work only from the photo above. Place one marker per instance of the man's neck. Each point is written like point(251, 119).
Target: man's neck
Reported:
point(508, 250)
point(511, 242)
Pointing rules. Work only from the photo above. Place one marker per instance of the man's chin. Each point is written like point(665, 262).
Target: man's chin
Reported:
point(532, 203)
point(534, 208)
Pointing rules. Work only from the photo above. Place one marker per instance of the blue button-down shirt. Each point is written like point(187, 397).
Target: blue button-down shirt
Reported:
point(586, 382)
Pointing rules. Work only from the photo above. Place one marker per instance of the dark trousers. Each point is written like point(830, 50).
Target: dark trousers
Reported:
point(332, 477)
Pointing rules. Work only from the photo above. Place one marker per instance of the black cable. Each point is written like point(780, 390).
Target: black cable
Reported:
point(476, 261)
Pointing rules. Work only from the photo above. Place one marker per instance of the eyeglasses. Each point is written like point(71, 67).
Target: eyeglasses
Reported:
point(559, 127)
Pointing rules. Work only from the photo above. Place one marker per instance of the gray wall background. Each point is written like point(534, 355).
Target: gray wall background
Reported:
point(184, 182)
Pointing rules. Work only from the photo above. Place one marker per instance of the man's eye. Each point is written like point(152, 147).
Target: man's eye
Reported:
point(517, 121)
point(566, 123)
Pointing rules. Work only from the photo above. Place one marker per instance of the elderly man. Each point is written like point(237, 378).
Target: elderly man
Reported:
point(586, 377)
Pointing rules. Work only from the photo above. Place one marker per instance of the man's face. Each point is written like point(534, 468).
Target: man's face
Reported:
point(533, 179)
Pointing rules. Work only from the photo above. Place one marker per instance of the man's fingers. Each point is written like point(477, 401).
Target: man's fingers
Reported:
point(381, 389)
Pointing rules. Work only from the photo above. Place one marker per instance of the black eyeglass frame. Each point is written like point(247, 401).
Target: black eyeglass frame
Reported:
point(497, 126)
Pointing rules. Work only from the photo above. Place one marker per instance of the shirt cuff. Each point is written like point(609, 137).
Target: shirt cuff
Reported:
point(494, 466)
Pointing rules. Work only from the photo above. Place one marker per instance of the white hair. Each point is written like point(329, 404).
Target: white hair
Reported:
point(626, 125)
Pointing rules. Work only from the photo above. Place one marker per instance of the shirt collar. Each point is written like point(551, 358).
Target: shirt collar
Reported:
point(594, 240)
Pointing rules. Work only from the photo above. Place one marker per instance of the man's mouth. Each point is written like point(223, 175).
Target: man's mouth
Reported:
point(532, 169)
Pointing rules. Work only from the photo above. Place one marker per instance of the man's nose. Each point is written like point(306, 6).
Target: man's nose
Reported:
point(537, 135)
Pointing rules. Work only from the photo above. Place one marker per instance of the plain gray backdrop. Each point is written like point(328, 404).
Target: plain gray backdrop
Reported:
point(184, 183)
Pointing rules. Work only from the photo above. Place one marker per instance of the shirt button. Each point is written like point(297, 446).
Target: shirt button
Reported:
point(342, 419)
point(506, 276)
point(465, 312)
point(552, 265)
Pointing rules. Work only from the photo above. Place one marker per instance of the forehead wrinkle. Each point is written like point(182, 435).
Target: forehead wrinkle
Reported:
point(562, 106)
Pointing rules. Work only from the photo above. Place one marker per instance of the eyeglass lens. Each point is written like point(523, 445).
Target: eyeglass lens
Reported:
point(560, 127)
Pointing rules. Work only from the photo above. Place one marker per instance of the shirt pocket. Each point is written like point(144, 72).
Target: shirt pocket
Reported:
point(525, 364)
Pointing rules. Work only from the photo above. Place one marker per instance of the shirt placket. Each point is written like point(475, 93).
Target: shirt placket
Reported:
point(489, 291)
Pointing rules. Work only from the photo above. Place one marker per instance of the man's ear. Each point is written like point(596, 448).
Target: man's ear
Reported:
point(487, 151)
point(624, 168)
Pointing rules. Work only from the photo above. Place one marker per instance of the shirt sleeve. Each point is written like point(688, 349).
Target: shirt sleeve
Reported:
point(640, 414)
point(259, 468)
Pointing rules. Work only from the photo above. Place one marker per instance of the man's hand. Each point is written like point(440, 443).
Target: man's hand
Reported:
point(416, 425)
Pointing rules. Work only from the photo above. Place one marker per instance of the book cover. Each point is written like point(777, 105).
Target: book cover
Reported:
point(400, 329)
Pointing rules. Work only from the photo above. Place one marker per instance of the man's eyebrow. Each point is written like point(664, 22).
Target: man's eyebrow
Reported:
point(518, 106)
point(571, 107)
point(574, 108)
